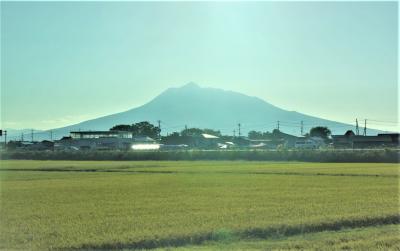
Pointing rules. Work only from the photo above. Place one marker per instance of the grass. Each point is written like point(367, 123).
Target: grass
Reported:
point(92, 205)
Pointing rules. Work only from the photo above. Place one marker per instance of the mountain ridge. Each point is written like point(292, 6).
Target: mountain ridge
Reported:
point(206, 107)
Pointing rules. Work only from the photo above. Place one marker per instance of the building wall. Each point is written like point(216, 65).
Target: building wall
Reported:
point(101, 143)
point(341, 141)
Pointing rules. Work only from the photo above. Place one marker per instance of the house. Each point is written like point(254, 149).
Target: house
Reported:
point(43, 145)
point(206, 141)
point(266, 143)
point(350, 140)
point(226, 145)
point(287, 140)
point(394, 136)
point(241, 141)
point(23, 145)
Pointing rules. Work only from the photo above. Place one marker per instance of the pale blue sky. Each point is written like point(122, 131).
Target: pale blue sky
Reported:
point(62, 63)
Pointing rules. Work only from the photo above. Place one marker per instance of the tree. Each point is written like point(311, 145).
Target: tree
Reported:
point(126, 128)
point(349, 133)
point(143, 128)
point(320, 131)
point(255, 135)
point(191, 132)
point(198, 132)
point(276, 134)
point(267, 135)
point(260, 135)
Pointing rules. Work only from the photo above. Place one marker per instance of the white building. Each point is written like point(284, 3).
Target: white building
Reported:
point(309, 143)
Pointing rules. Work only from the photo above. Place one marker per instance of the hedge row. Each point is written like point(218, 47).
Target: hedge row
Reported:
point(332, 155)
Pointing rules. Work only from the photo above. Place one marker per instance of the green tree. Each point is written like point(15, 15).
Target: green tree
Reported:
point(320, 131)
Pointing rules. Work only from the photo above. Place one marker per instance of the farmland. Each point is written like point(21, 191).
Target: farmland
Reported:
point(200, 204)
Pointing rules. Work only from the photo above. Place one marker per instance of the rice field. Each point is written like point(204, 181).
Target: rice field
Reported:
point(74, 205)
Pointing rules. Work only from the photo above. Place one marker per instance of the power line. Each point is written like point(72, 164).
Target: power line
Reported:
point(290, 122)
point(382, 124)
point(383, 121)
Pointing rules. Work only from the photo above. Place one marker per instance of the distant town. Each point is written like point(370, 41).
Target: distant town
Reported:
point(146, 136)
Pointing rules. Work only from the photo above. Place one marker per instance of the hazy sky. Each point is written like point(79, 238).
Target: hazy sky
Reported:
point(62, 63)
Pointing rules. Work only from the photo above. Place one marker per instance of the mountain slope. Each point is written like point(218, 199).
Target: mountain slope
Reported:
point(194, 106)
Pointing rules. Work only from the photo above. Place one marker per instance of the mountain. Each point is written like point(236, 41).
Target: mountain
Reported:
point(195, 106)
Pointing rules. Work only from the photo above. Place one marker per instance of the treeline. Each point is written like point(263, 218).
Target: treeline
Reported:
point(145, 128)
point(331, 155)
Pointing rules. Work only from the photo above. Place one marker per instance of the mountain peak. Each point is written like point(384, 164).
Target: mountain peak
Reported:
point(191, 85)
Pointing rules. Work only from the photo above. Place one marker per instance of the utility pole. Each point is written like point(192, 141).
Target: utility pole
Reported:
point(239, 129)
point(185, 131)
point(5, 139)
point(302, 128)
point(234, 133)
point(51, 135)
point(277, 126)
point(365, 127)
point(31, 135)
point(357, 129)
point(22, 136)
point(159, 132)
